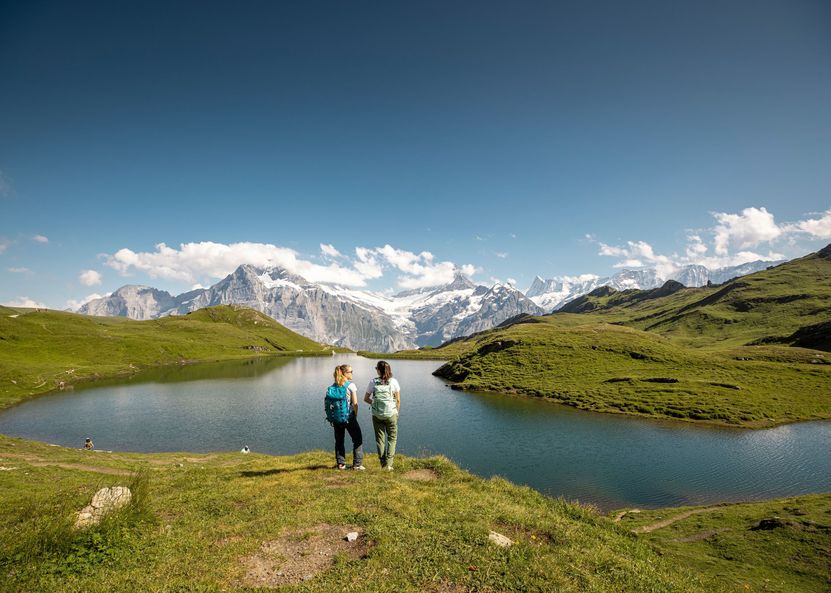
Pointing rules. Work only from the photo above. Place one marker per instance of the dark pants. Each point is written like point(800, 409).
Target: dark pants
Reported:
point(354, 431)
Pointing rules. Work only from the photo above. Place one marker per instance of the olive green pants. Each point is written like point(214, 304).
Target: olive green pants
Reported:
point(386, 434)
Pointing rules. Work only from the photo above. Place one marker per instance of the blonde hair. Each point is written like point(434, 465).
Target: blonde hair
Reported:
point(340, 374)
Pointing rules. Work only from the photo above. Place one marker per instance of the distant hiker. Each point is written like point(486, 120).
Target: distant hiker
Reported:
point(384, 395)
point(245, 449)
point(341, 405)
point(88, 444)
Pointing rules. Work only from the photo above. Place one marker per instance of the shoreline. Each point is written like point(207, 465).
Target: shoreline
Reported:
point(85, 381)
point(126, 374)
point(194, 457)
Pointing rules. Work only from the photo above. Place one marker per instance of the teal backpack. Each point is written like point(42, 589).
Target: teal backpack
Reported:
point(336, 403)
point(383, 401)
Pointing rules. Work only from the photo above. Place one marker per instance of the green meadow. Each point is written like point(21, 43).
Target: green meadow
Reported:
point(228, 522)
point(40, 350)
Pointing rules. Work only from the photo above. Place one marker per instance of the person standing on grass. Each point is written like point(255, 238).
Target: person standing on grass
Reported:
point(383, 394)
point(343, 379)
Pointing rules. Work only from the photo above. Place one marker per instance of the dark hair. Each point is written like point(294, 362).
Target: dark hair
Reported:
point(384, 371)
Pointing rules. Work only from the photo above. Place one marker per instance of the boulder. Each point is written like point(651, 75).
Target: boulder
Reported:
point(104, 502)
point(500, 540)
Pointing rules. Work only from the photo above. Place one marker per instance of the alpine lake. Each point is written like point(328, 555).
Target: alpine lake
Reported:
point(275, 406)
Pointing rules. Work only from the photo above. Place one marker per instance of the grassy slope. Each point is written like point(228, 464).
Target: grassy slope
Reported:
point(203, 513)
point(795, 556)
point(774, 302)
point(611, 368)
point(695, 338)
point(38, 350)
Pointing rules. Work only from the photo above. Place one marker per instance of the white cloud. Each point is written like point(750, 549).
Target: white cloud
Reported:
point(90, 278)
point(207, 260)
point(638, 254)
point(500, 254)
point(733, 237)
point(695, 247)
point(74, 305)
point(612, 251)
point(511, 282)
point(19, 270)
point(25, 301)
point(40, 239)
point(629, 263)
point(4, 244)
point(368, 265)
point(330, 250)
point(420, 270)
point(748, 229)
point(816, 227)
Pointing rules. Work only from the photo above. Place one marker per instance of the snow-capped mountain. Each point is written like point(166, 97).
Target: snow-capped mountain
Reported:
point(462, 308)
point(553, 293)
point(364, 320)
point(331, 314)
point(136, 302)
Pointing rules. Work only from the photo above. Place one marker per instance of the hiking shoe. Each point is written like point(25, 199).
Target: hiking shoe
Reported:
point(358, 467)
point(388, 468)
point(341, 466)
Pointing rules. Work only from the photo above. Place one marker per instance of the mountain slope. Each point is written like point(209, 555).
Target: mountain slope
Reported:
point(554, 293)
point(335, 314)
point(765, 306)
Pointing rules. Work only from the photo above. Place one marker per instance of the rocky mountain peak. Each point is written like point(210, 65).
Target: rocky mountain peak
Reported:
point(460, 282)
point(537, 287)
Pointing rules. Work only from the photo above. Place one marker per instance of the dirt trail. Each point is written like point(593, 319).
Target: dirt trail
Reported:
point(674, 519)
point(38, 462)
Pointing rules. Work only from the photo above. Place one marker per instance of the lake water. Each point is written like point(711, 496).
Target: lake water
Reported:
point(276, 406)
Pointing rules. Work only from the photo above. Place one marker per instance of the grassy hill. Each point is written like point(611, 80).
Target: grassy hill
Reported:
point(41, 349)
point(713, 354)
point(227, 521)
point(768, 306)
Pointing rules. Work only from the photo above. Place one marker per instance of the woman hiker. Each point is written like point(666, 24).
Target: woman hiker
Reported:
point(384, 396)
point(343, 379)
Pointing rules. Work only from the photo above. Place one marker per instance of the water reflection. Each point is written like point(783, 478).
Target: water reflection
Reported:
point(275, 406)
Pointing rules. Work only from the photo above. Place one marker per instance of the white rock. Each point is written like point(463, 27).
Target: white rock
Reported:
point(351, 536)
point(105, 501)
point(499, 539)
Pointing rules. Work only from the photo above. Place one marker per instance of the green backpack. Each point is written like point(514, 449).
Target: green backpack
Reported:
point(383, 401)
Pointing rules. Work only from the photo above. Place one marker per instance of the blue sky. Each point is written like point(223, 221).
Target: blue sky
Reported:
point(386, 145)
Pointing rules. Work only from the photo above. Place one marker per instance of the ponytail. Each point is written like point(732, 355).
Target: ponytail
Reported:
point(340, 374)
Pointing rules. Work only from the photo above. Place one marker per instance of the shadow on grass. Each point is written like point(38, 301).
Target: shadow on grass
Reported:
point(272, 472)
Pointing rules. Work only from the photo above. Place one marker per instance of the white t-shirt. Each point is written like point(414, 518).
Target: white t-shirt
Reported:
point(393, 382)
point(352, 389)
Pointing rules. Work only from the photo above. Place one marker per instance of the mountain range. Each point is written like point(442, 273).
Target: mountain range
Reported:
point(364, 320)
point(554, 293)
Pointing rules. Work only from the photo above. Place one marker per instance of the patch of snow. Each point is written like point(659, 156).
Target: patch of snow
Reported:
point(474, 304)
point(270, 282)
